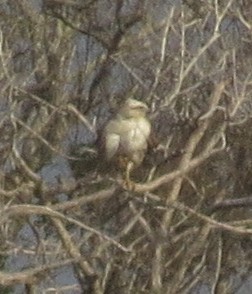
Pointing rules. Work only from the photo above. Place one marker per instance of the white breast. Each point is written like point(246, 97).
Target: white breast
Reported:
point(136, 137)
point(127, 136)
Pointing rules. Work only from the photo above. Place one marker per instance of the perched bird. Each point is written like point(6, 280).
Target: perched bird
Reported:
point(125, 137)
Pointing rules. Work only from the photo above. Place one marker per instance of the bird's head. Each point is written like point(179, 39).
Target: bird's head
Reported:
point(133, 108)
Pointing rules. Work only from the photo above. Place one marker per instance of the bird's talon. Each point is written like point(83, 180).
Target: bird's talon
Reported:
point(129, 185)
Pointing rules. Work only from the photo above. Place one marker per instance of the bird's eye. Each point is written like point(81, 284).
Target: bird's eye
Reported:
point(140, 107)
point(143, 108)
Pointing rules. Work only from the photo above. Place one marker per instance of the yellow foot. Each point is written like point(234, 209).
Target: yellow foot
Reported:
point(129, 185)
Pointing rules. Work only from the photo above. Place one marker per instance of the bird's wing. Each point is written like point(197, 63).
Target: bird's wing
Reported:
point(111, 139)
point(112, 144)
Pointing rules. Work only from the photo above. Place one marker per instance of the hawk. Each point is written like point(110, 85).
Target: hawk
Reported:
point(125, 137)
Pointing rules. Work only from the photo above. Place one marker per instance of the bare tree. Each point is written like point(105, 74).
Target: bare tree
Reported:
point(67, 224)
